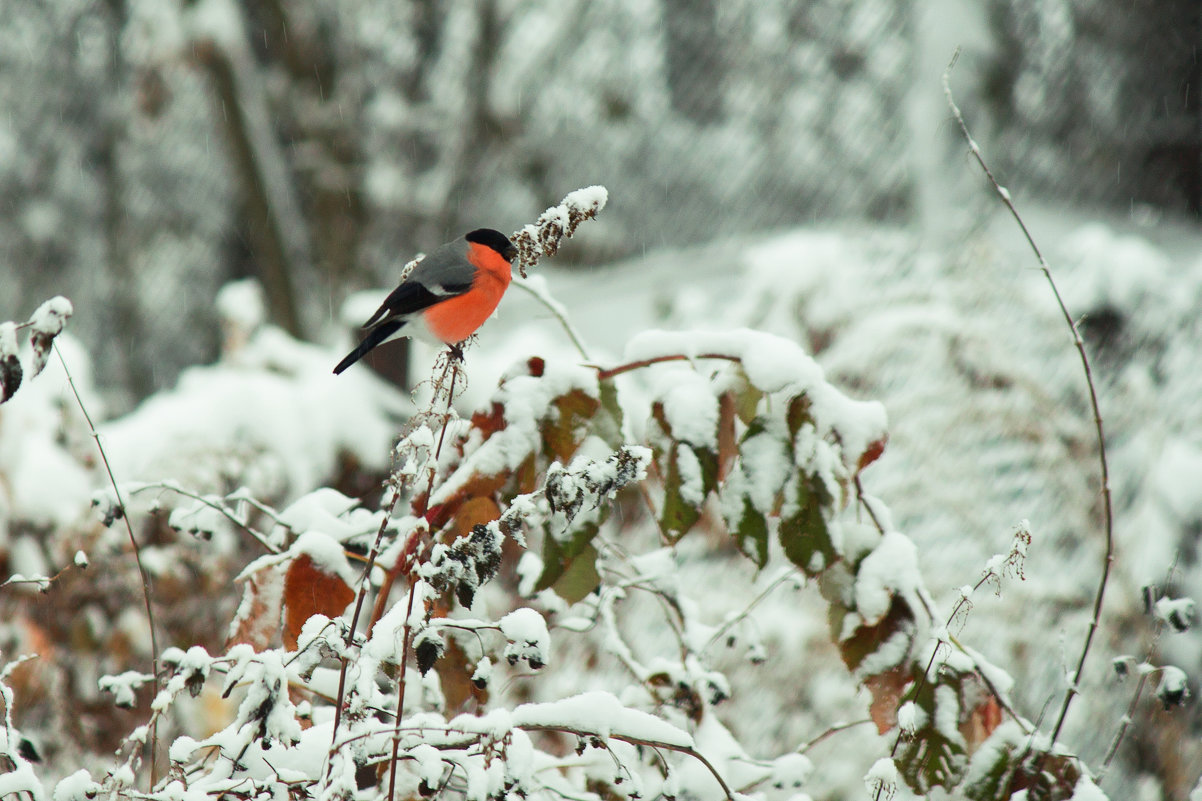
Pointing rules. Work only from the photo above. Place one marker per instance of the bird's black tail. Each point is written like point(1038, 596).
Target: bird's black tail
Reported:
point(373, 338)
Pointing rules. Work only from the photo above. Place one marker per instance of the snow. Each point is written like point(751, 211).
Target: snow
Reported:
point(241, 303)
point(51, 316)
point(1177, 613)
point(526, 399)
point(775, 365)
point(689, 407)
point(22, 778)
point(692, 487)
point(891, 569)
point(590, 198)
point(124, 686)
point(79, 786)
point(602, 714)
point(277, 417)
point(883, 778)
point(1173, 689)
point(330, 512)
point(8, 339)
point(526, 631)
point(964, 462)
point(910, 718)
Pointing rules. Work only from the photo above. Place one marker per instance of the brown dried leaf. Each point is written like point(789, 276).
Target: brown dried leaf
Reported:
point(728, 443)
point(887, 689)
point(257, 621)
point(308, 591)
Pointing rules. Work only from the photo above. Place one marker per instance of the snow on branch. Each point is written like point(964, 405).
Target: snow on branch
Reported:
point(556, 224)
point(45, 324)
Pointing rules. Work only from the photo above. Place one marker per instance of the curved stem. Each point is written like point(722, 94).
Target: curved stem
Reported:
point(1002, 193)
point(154, 641)
point(603, 374)
point(557, 311)
point(222, 510)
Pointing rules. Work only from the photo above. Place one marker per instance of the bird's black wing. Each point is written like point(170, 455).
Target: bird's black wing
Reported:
point(410, 298)
point(443, 274)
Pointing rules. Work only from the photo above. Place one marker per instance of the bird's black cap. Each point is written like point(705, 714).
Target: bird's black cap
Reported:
point(493, 239)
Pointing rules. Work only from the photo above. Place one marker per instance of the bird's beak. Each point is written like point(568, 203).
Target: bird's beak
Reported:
point(510, 253)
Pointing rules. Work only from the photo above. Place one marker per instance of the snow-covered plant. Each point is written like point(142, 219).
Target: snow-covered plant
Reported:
point(45, 324)
point(512, 617)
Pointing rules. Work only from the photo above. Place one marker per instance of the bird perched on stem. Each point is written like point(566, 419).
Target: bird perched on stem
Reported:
point(448, 295)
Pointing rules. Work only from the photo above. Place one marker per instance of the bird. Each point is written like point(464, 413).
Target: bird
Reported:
point(448, 295)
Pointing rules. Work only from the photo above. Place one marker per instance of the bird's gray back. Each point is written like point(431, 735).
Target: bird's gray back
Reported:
point(445, 269)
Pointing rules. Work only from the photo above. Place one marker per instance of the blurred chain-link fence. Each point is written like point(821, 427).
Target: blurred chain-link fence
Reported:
point(153, 150)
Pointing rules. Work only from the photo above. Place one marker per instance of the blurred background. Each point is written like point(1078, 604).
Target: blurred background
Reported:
point(152, 150)
point(785, 164)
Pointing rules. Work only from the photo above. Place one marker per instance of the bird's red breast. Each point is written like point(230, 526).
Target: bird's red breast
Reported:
point(455, 319)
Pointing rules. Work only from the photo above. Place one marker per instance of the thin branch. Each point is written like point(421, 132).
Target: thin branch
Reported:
point(1004, 194)
point(680, 749)
point(361, 594)
point(1128, 718)
point(454, 359)
point(835, 729)
point(400, 695)
point(558, 313)
point(730, 623)
point(145, 577)
point(1125, 724)
point(603, 374)
point(867, 506)
point(224, 511)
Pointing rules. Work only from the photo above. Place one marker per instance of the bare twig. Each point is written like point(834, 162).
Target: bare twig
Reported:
point(603, 374)
point(400, 695)
point(556, 310)
point(361, 594)
point(680, 749)
point(1004, 194)
point(791, 573)
point(224, 511)
point(145, 577)
point(838, 727)
point(454, 359)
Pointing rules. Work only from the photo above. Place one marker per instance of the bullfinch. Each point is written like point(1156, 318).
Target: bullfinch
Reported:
point(449, 294)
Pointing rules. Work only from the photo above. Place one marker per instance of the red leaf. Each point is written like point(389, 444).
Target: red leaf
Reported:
point(871, 453)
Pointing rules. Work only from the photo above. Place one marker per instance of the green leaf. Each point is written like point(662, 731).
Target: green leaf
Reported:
point(804, 533)
point(997, 778)
point(608, 421)
point(1015, 766)
point(932, 757)
point(580, 578)
point(565, 430)
point(560, 555)
point(680, 513)
point(751, 534)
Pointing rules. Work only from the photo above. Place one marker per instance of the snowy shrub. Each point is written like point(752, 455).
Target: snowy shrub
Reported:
point(512, 617)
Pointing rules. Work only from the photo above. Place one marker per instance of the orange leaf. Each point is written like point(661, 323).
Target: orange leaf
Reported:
point(475, 511)
point(478, 486)
point(981, 722)
point(308, 591)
